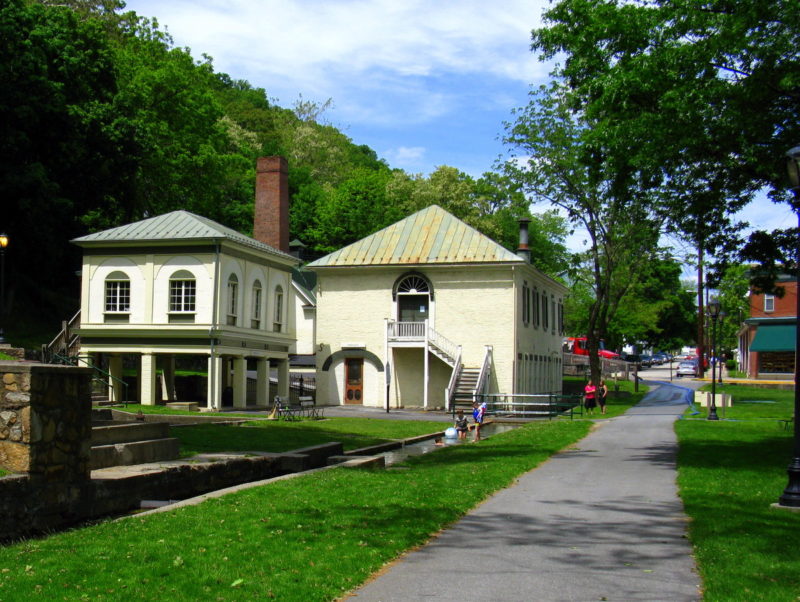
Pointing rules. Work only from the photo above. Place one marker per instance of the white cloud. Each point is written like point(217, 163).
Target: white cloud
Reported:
point(350, 48)
point(405, 157)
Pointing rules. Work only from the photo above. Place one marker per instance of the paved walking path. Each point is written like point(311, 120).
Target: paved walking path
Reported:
point(601, 521)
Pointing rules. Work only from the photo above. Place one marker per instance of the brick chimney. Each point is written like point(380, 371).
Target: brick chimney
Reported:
point(271, 214)
point(524, 250)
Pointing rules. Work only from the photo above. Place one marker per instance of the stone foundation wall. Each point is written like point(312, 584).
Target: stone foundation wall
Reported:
point(45, 432)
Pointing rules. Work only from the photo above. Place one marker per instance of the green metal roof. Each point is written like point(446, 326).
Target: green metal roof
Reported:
point(429, 236)
point(774, 337)
point(172, 227)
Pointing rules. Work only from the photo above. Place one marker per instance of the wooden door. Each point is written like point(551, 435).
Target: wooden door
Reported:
point(354, 380)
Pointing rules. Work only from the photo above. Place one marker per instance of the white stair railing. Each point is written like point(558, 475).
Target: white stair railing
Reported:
point(450, 390)
point(486, 369)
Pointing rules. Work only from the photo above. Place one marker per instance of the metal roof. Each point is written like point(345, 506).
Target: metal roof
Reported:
point(429, 236)
point(172, 227)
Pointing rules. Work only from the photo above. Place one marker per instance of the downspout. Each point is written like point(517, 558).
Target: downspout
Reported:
point(212, 377)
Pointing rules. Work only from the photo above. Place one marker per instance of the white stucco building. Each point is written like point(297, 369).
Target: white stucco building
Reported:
point(180, 284)
point(429, 309)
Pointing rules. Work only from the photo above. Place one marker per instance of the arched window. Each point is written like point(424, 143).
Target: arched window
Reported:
point(277, 321)
point(118, 293)
point(182, 296)
point(413, 293)
point(233, 300)
point(255, 312)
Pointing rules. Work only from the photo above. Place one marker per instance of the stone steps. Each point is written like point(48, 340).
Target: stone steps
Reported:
point(115, 444)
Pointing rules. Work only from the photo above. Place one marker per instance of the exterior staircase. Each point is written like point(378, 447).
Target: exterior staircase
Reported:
point(116, 443)
point(466, 383)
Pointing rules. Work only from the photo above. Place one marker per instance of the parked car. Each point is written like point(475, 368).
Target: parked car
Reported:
point(660, 357)
point(647, 361)
point(686, 368)
point(632, 358)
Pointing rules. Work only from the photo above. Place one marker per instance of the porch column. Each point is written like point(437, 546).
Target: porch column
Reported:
point(147, 380)
point(239, 382)
point(168, 381)
point(425, 377)
point(115, 386)
point(214, 392)
point(262, 382)
point(283, 378)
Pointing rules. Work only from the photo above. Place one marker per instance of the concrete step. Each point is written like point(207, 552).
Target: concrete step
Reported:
point(134, 452)
point(127, 432)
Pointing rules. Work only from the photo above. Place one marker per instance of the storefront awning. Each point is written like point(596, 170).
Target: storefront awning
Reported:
point(774, 337)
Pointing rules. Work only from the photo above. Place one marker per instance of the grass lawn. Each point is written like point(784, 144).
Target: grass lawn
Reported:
point(313, 537)
point(729, 473)
point(277, 436)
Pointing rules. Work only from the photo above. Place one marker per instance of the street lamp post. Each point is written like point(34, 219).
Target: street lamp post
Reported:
point(3, 245)
point(713, 313)
point(791, 495)
point(722, 316)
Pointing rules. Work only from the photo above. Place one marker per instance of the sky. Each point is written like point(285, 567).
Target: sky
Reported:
point(424, 83)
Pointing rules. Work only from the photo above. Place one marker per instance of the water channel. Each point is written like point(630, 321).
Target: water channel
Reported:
point(419, 448)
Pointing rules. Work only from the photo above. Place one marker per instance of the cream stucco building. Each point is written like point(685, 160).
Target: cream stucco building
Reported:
point(182, 285)
point(428, 310)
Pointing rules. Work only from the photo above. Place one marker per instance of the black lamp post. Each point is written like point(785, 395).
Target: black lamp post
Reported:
point(713, 313)
point(722, 316)
point(3, 245)
point(791, 495)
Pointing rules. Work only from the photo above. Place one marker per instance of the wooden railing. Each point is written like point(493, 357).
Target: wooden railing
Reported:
point(66, 342)
point(450, 391)
point(422, 331)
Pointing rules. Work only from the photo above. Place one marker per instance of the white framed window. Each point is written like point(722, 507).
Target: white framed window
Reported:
point(277, 320)
point(545, 316)
point(233, 300)
point(118, 293)
point(182, 293)
point(526, 303)
point(769, 303)
point(255, 312)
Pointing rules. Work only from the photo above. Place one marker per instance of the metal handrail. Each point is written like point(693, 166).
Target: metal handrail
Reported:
point(530, 405)
point(74, 360)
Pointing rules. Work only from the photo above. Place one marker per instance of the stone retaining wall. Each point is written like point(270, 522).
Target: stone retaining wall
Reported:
point(45, 431)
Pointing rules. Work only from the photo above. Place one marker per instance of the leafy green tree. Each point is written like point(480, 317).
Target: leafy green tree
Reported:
point(701, 96)
point(63, 152)
point(556, 159)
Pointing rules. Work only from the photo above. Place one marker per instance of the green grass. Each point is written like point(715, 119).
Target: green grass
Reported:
point(277, 436)
point(729, 473)
point(5, 357)
point(314, 537)
point(752, 403)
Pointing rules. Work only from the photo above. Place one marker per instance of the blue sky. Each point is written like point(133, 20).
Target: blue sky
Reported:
point(422, 82)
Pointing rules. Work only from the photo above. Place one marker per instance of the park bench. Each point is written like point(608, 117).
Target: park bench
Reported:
point(310, 409)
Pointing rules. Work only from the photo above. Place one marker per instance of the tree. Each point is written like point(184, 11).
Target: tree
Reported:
point(556, 159)
point(63, 152)
point(700, 95)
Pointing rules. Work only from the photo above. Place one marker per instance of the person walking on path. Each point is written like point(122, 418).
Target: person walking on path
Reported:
point(599, 520)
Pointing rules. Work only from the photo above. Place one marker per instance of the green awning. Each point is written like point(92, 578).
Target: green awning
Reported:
point(774, 337)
